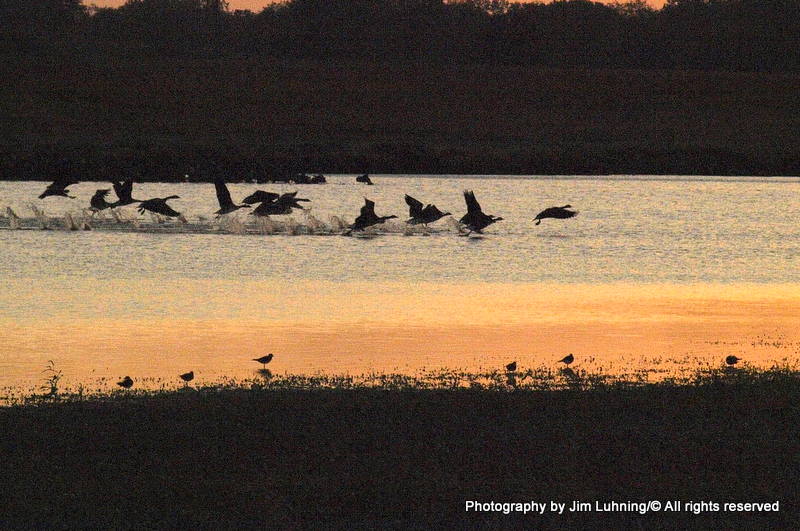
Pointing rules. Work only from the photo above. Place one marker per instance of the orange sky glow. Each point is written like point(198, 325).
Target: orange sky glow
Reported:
point(257, 5)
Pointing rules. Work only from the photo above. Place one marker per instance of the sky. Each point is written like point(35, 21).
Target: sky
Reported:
point(257, 5)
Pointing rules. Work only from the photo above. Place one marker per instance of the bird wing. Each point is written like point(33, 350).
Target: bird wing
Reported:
point(223, 195)
point(369, 208)
point(61, 182)
point(260, 196)
point(432, 211)
point(414, 207)
point(472, 203)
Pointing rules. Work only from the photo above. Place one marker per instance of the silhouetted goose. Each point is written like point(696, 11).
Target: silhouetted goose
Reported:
point(281, 206)
point(58, 187)
point(187, 377)
point(368, 218)
point(423, 215)
point(98, 201)
point(556, 213)
point(732, 360)
point(569, 358)
point(264, 360)
point(126, 382)
point(364, 179)
point(124, 191)
point(226, 205)
point(260, 196)
point(511, 367)
point(159, 206)
point(475, 220)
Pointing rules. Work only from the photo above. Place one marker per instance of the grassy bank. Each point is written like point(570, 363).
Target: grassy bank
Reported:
point(245, 118)
point(302, 452)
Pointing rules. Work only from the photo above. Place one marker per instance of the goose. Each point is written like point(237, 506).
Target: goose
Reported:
point(226, 205)
point(422, 215)
point(367, 217)
point(124, 191)
point(59, 187)
point(475, 220)
point(556, 213)
point(364, 179)
point(160, 206)
point(732, 360)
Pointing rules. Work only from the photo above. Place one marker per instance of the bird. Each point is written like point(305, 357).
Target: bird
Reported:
point(187, 377)
point(264, 360)
point(126, 382)
point(367, 217)
point(260, 196)
point(475, 220)
point(283, 204)
point(226, 205)
point(422, 215)
point(566, 360)
point(98, 201)
point(556, 213)
point(511, 367)
point(732, 360)
point(124, 191)
point(160, 206)
point(59, 187)
point(364, 179)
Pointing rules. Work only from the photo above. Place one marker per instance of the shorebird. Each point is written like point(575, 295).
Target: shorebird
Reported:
point(126, 382)
point(556, 213)
point(124, 191)
point(187, 377)
point(264, 360)
point(422, 215)
point(475, 220)
point(566, 360)
point(732, 360)
point(364, 179)
point(226, 205)
point(511, 367)
point(367, 218)
point(160, 206)
point(98, 201)
point(59, 187)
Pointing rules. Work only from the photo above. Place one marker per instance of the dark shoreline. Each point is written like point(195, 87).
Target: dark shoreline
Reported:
point(402, 458)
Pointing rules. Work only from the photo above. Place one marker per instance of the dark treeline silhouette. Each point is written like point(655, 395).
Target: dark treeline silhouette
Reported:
point(752, 35)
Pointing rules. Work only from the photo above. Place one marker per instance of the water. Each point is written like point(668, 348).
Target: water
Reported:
point(157, 299)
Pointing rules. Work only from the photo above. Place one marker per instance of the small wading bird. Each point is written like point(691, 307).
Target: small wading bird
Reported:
point(732, 360)
point(263, 360)
point(566, 360)
point(126, 382)
point(124, 191)
point(556, 213)
point(422, 215)
point(187, 377)
point(367, 218)
point(98, 201)
point(364, 179)
point(475, 220)
point(160, 206)
point(511, 367)
point(59, 187)
point(226, 205)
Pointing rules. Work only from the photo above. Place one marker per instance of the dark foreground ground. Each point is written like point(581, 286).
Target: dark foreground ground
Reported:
point(401, 459)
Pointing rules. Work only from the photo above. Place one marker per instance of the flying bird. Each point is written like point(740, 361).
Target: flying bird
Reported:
point(124, 191)
point(556, 213)
point(283, 204)
point(264, 360)
point(566, 360)
point(422, 215)
point(126, 382)
point(58, 187)
point(160, 206)
point(98, 201)
point(511, 367)
point(732, 360)
point(368, 218)
point(260, 196)
point(364, 179)
point(475, 220)
point(187, 377)
point(226, 205)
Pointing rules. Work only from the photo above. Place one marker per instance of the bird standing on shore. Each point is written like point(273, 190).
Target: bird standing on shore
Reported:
point(59, 187)
point(226, 205)
point(264, 360)
point(556, 213)
point(422, 215)
point(475, 220)
point(566, 360)
point(126, 382)
point(511, 367)
point(367, 217)
point(187, 377)
point(732, 360)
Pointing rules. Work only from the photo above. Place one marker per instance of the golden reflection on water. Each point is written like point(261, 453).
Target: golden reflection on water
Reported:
point(96, 330)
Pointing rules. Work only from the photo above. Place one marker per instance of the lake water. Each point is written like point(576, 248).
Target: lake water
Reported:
point(652, 270)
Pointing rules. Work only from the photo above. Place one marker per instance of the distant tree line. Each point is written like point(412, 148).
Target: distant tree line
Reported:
point(749, 35)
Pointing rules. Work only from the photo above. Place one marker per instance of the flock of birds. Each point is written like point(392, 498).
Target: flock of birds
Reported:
point(270, 203)
point(127, 382)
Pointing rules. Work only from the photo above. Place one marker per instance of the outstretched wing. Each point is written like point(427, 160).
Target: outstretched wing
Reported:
point(123, 189)
point(260, 196)
point(431, 211)
point(414, 207)
point(368, 210)
point(472, 204)
point(223, 195)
